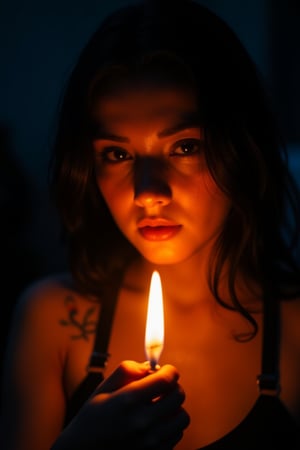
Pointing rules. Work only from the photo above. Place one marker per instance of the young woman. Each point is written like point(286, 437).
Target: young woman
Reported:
point(167, 158)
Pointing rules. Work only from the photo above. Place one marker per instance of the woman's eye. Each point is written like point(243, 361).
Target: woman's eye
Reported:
point(187, 147)
point(115, 155)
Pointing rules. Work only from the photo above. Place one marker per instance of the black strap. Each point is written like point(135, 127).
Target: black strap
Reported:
point(268, 380)
point(100, 353)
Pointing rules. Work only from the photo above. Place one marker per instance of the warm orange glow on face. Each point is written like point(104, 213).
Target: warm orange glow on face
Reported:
point(154, 336)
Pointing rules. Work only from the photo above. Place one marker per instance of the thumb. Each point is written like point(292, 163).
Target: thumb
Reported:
point(125, 373)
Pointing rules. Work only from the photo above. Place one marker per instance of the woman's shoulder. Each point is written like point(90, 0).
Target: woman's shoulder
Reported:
point(48, 314)
point(51, 297)
point(50, 288)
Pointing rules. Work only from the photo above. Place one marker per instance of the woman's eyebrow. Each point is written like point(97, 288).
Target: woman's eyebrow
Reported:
point(176, 128)
point(111, 137)
point(187, 120)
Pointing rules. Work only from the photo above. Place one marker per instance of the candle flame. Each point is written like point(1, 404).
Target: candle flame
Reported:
point(154, 336)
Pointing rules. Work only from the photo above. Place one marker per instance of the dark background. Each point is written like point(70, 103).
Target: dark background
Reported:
point(39, 42)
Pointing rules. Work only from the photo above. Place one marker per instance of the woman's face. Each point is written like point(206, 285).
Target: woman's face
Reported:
point(152, 173)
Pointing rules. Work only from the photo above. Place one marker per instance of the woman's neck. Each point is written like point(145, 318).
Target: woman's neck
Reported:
point(186, 284)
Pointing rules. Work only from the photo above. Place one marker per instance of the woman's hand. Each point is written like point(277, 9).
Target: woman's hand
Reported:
point(134, 408)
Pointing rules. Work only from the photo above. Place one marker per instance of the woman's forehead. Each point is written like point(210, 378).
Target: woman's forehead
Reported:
point(144, 103)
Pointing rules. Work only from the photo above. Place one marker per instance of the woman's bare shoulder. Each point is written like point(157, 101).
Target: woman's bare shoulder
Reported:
point(50, 297)
point(48, 314)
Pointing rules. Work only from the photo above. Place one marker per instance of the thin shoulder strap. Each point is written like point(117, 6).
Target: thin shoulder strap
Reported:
point(100, 353)
point(268, 381)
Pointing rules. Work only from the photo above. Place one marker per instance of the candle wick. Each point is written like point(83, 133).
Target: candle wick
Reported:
point(152, 364)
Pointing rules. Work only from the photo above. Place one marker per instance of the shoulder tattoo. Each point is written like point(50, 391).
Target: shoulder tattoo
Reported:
point(83, 323)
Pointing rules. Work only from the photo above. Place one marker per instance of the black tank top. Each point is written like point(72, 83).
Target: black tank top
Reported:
point(267, 426)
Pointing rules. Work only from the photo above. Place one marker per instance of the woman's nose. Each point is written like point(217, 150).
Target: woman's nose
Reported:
point(150, 185)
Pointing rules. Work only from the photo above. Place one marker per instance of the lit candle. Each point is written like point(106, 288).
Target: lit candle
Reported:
point(154, 336)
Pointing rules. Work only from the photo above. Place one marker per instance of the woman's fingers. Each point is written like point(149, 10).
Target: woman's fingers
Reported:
point(144, 407)
point(154, 385)
point(161, 419)
point(165, 404)
point(134, 382)
point(125, 373)
point(157, 422)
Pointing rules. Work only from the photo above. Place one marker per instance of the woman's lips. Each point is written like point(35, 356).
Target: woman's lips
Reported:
point(158, 229)
point(159, 233)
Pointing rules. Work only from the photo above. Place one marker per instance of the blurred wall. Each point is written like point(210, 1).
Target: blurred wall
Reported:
point(39, 43)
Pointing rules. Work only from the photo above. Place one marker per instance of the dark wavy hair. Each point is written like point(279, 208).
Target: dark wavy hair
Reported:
point(184, 43)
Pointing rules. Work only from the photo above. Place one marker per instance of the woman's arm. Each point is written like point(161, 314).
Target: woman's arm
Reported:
point(33, 404)
point(132, 408)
